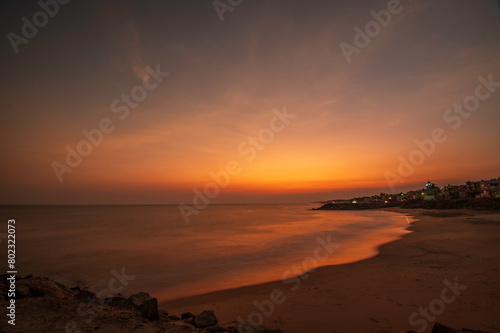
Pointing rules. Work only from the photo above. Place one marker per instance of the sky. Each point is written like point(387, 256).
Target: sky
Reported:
point(255, 102)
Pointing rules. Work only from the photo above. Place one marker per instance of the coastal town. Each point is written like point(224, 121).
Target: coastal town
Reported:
point(472, 194)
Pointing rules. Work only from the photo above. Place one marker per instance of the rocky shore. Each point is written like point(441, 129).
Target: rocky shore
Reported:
point(48, 306)
point(44, 305)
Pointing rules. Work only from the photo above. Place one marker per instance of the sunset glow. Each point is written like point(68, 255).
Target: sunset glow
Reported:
point(352, 120)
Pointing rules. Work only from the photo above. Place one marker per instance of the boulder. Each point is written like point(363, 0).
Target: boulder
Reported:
point(117, 302)
point(187, 315)
point(440, 328)
point(173, 318)
point(204, 319)
point(41, 287)
point(149, 309)
point(136, 300)
point(23, 291)
point(85, 296)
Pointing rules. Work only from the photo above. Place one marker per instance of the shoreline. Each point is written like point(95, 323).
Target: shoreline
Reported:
point(375, 249)
point(366, 248)
point(380, 293)
point(383, 293)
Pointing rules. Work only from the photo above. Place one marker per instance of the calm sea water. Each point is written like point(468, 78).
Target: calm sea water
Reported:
point(225, 246)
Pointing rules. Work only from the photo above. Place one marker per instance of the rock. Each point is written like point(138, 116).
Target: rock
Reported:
point(164, 315)
point(136, 300)
point(23, 291)
point(117, 302)
point(187, 315)
point(149, 309)
point(173, 318)
point(215, 329)
point(440, 328)
point(228, 327)
point(41, 287)
point(85, 296)
point(205, 319)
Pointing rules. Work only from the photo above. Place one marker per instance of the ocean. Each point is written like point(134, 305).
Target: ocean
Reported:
point(225, 246)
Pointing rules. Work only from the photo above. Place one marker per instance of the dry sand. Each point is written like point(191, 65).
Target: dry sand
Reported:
point(381, 293)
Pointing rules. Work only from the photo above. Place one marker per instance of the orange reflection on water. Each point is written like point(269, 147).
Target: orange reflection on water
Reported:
point(346, 248)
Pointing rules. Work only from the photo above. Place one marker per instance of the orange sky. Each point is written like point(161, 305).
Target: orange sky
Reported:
point(352, 120)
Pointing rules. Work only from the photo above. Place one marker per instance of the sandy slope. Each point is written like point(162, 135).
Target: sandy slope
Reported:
point(381, 293)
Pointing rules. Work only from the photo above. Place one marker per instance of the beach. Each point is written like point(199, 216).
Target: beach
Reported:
point(380, 294)
point(228, 246)
point(445, 270)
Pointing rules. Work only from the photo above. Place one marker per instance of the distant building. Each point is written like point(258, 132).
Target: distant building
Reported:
point(474, 189)
point(480, 189)
point(366, 199)
point(430, 185)
point(414, 195)
point(488, 187)
point(455, 192)
point(431, 191)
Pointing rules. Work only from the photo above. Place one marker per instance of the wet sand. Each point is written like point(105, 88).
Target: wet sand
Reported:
point(382, 293)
